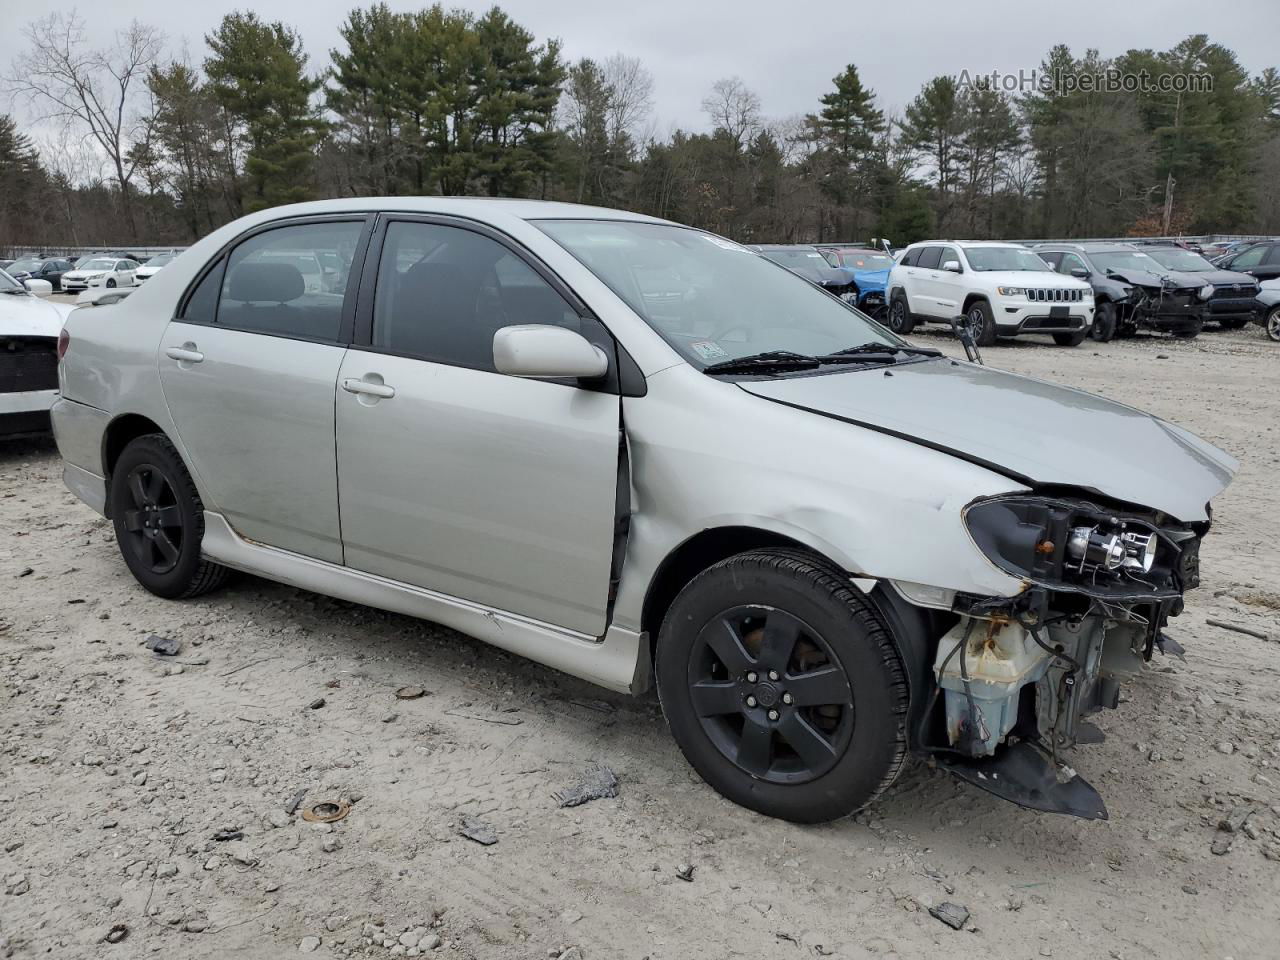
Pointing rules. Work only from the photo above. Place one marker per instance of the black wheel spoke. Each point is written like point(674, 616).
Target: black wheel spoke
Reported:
point(781, 631)
point(133, 521)
point(168, 517)
point(722, 637)
point(812, 747)
point(166, 547)
point(155, 486)
point(712, 699)
point(755, 747)
point(137, 490)
point(822, 687)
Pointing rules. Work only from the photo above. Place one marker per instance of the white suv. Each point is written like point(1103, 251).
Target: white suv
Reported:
point(1003, 289)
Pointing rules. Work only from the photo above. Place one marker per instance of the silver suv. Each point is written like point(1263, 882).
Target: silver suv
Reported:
point(636, 451)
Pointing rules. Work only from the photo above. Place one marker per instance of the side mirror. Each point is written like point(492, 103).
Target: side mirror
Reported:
point(540, 350)
point(952, 266)
point(1080, 273)
point(38, 288)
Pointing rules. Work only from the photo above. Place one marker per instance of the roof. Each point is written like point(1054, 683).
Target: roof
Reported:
point(1096, 246)
point(970, 243)
point(460, 206)
point(763, 247)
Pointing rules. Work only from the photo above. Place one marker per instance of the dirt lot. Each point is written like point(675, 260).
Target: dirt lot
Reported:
point(117, 771)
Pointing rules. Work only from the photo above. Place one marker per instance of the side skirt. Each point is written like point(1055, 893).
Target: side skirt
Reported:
point(612, 661)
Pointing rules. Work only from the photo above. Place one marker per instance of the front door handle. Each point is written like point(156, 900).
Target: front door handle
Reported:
point(187, 353)
point(369, 388)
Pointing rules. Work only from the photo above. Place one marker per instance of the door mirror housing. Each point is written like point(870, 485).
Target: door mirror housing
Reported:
point(1080, 273)
point(952, 266)
point(547, 352)
point(38, 288)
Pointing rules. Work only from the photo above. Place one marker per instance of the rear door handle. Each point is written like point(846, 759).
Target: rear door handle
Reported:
point(187, 353)
point(369, 388)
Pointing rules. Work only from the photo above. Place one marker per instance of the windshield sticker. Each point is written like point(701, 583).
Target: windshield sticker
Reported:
point(708, 350)
point(726, 244)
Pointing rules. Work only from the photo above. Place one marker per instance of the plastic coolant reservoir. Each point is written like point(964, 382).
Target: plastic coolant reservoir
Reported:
point(999, 661)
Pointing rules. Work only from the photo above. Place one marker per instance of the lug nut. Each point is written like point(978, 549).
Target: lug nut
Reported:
point(751, 701)
point(786, 698)
point(752, 677)
point(773, 714)
point(773, 674)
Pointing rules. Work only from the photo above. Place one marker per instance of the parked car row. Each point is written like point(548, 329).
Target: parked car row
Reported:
point(1003, 290)
point(126, 270)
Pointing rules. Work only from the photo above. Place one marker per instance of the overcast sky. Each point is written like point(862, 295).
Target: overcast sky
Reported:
point(786, 51)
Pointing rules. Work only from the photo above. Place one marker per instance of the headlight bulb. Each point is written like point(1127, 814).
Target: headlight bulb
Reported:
point(1089, 546)
point(1140, 551)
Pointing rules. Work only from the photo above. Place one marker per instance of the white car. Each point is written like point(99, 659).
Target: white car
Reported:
point(101, 272)
point(152, 266)
point(29, 331)
point(1002, 289)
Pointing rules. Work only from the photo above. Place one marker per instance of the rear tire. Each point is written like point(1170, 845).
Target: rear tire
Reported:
point(1272, 324)
point(900, 320)
point(1104, 323)
point(1070, 339)
point(159, 520)
point(785, 743)
point(983, 322)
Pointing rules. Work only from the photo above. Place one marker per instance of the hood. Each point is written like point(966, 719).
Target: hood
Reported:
point(28, 316)
point(1031, 430)
point(871, 279)
point(1032, 278)
point(1226, 278)
point(1145, 278)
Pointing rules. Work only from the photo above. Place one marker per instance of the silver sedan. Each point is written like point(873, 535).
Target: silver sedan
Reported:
point(638, 452)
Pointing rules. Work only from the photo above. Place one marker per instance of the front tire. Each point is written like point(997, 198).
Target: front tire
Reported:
point(1272, 324)
point(1070, 339)
point(111, 283)
point(900, 320)
point(764, 662)
point(983, 323)
point(159, 520)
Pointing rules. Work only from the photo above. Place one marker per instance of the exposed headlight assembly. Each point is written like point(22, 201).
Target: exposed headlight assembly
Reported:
point(1070, 544)
point(1206, 291)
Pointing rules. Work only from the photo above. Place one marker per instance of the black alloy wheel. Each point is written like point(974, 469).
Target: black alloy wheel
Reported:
point(153, 526)
point(771, 694)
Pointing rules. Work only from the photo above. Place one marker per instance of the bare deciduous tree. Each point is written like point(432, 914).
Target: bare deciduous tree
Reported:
point(93, 89)
point(631, 96)
point(734, 108)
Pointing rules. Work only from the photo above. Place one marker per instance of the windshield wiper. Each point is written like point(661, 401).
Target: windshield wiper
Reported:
point(770, 359)
point(885, 348)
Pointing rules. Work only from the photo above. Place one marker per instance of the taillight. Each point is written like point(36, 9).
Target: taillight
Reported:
point(64, 341)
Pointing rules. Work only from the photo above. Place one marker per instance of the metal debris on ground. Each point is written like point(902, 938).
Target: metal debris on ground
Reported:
point(952, 914)
point(1238, 628)
point(685, 872)
point(410, 693)
point(163, 646)
point(597, 784)
point(326, 811)
point(295, 801)
point(316, 704)
point(478, 830)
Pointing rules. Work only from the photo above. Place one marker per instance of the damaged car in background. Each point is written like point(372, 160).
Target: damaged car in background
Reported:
point(1133, 290)
point(639, 453)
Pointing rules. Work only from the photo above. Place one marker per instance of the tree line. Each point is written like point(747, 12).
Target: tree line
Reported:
point(153, 149)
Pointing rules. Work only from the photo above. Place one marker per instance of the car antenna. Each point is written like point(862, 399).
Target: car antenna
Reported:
point(964, 333)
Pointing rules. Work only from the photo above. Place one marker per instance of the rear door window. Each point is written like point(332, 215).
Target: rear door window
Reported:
point(290, 281)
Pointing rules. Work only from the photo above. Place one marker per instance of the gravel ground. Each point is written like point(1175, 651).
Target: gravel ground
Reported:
point(143, 801)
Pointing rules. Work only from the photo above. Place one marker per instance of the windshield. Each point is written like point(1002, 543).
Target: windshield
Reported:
point(98, 263)
point(1004, 258)
point(8, 283)
point(21, 266)
point(1121, 260)
point(712, 299)
point(161, 260)
point(800, 256)
point(1175, 258)
point(867, 261)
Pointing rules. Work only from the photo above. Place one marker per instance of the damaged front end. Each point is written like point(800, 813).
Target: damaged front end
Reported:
point(1164, 305)
point(1017, 676)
